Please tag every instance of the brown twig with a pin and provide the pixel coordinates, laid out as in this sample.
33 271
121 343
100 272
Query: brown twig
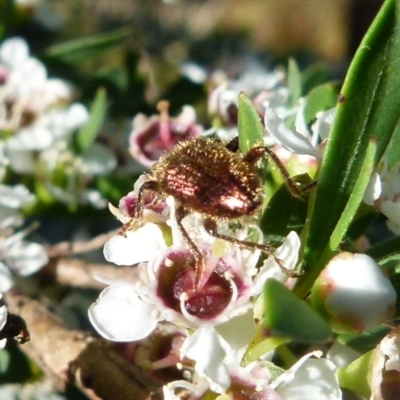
64 249
80 273
68 356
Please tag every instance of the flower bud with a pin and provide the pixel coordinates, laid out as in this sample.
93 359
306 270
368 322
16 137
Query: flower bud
353 293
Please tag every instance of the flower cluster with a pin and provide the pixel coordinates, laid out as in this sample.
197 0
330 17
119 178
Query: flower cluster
200 324
17 255
37 122
210 325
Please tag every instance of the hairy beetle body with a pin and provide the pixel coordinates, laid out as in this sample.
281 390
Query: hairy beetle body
204 176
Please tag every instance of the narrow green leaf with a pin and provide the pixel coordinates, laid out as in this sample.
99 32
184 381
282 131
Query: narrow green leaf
294 83
251 130
368 109
288 316
393 151
87 48
87 134
395 281
352 205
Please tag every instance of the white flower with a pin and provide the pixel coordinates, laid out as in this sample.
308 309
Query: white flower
311 379
169 273
48 129
383 193
287 253
217 362
292 140
211 354
194 72
17 255
152 136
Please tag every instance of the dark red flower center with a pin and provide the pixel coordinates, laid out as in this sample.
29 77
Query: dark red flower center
177 278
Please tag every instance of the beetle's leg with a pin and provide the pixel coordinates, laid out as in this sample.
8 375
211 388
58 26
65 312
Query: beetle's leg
211 227
180 213
295 187
136 221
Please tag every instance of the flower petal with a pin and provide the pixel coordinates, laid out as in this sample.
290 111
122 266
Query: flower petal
120 315
137 246
311 379
290 140
207 348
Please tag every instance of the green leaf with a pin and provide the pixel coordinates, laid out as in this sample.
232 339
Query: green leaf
114 187
355 375
7 15
251 130
395 281
352 205
288 316
313 76
386 252
261 347
365 341
294 83
87 134
88 48
368 110
321 98
283 213
4 361
393 151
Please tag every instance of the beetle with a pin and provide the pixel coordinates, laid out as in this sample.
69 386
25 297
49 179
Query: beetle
206 176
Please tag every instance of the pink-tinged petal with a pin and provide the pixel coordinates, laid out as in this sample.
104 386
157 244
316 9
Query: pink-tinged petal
290 140
119 314
136 246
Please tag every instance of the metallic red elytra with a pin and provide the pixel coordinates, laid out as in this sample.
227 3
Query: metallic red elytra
205 176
